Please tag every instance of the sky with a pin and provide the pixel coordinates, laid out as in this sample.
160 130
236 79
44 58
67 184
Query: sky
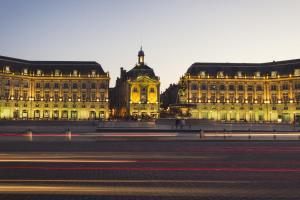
174 33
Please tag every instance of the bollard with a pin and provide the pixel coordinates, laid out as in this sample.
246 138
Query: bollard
29 135
68 135
274 137
249 137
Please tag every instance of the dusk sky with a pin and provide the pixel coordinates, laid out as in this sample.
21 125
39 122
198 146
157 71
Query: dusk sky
174 33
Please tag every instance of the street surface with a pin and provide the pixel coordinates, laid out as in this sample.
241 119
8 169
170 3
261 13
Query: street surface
60 170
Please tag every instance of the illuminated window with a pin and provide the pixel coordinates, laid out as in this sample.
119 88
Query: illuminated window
273 74
25 71
239 74
202 74
56 72
7 69
257 74
221 74
75 72
39 72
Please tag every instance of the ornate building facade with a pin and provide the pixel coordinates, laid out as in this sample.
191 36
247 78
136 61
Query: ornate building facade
251 92
136 93
53 90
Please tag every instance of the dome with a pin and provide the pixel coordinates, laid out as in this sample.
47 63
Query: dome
141 53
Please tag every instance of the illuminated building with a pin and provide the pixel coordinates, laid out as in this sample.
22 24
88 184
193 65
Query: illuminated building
250 92
67 90
136 93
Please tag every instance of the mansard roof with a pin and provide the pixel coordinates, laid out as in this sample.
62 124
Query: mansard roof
285 67
47 67
141 70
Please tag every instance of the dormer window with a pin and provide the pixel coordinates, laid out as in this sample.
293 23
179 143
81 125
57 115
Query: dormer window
7 69
202 74
75 72
257 74
297 72
56 72
93 73
39 72
239 74
221 74
273 74
25 71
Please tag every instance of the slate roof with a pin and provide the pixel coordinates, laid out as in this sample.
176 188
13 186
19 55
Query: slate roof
48 67
141 70
285 67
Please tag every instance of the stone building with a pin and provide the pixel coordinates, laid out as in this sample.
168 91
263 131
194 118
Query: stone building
66 90
249 92
136 93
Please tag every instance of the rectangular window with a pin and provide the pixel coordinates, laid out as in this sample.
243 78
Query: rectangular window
37 95
74 96
25 95
83 96
65 96
56 96
47 96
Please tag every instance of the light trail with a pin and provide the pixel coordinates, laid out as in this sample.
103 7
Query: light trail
206 169
119 181
67 161
203 191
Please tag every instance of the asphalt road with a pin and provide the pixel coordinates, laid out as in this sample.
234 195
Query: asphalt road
150 170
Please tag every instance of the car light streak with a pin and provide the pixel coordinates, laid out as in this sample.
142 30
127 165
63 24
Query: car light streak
67 161
281 170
